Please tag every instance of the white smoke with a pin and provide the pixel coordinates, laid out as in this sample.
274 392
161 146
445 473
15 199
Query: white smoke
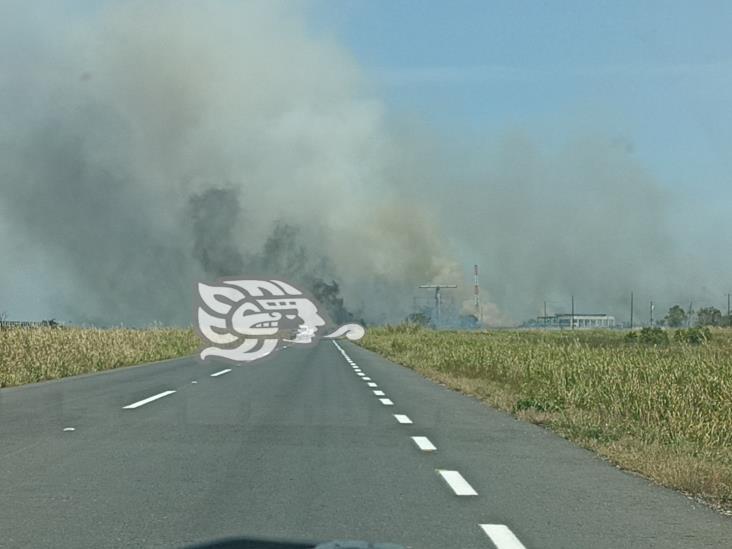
126 128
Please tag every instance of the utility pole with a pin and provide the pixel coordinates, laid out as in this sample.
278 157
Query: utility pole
729 318
651 313
545 314
688 316
631 310
438 299
573 312
476 292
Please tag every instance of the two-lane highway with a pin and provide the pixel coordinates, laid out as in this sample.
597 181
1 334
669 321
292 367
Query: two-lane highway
314 444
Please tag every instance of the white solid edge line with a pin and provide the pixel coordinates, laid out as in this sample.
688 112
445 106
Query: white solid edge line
502 537
386 401
458 484
371 384
147 400
379 393
424 444
401 418
222 372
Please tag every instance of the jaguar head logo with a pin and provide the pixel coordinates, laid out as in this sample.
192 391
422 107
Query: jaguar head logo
245 320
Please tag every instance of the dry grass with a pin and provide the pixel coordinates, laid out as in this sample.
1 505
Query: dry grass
28 355
663 411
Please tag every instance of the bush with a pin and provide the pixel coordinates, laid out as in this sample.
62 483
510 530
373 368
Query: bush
693 336
649 336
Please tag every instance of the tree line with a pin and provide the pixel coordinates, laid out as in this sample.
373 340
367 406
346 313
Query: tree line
706 316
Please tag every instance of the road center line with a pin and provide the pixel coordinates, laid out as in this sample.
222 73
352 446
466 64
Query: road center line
222 372
424 444
147 400
401 418
502 537
386 401
458 484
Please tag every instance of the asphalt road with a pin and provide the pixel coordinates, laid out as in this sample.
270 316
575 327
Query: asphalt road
300 450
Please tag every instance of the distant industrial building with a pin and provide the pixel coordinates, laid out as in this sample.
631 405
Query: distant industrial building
580 321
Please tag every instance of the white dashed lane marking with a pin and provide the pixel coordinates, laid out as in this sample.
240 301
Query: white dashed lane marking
499 534
502 537
147 400
424 444
458 484
222 372
68 429
401 418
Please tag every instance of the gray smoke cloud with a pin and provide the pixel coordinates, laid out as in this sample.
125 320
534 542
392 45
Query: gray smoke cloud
148 145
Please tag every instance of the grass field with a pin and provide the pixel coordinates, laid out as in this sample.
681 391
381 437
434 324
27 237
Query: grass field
664 411
28 355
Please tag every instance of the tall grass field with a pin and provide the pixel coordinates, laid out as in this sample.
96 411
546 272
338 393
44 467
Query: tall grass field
29 355
660 408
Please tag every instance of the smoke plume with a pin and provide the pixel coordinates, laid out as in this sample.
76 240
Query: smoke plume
149 145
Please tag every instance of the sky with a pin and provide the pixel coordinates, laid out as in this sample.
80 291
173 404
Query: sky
567 147
656 73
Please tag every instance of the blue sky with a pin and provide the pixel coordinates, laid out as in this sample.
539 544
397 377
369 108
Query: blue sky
655 74
654 77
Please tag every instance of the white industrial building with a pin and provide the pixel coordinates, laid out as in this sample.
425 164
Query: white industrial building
580 321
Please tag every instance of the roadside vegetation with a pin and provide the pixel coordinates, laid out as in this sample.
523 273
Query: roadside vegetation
28 355
658 402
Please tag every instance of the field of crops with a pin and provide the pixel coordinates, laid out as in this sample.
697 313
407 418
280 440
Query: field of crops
28 355
663 410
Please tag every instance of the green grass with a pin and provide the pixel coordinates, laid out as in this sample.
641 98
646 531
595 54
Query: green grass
664 411
29 355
